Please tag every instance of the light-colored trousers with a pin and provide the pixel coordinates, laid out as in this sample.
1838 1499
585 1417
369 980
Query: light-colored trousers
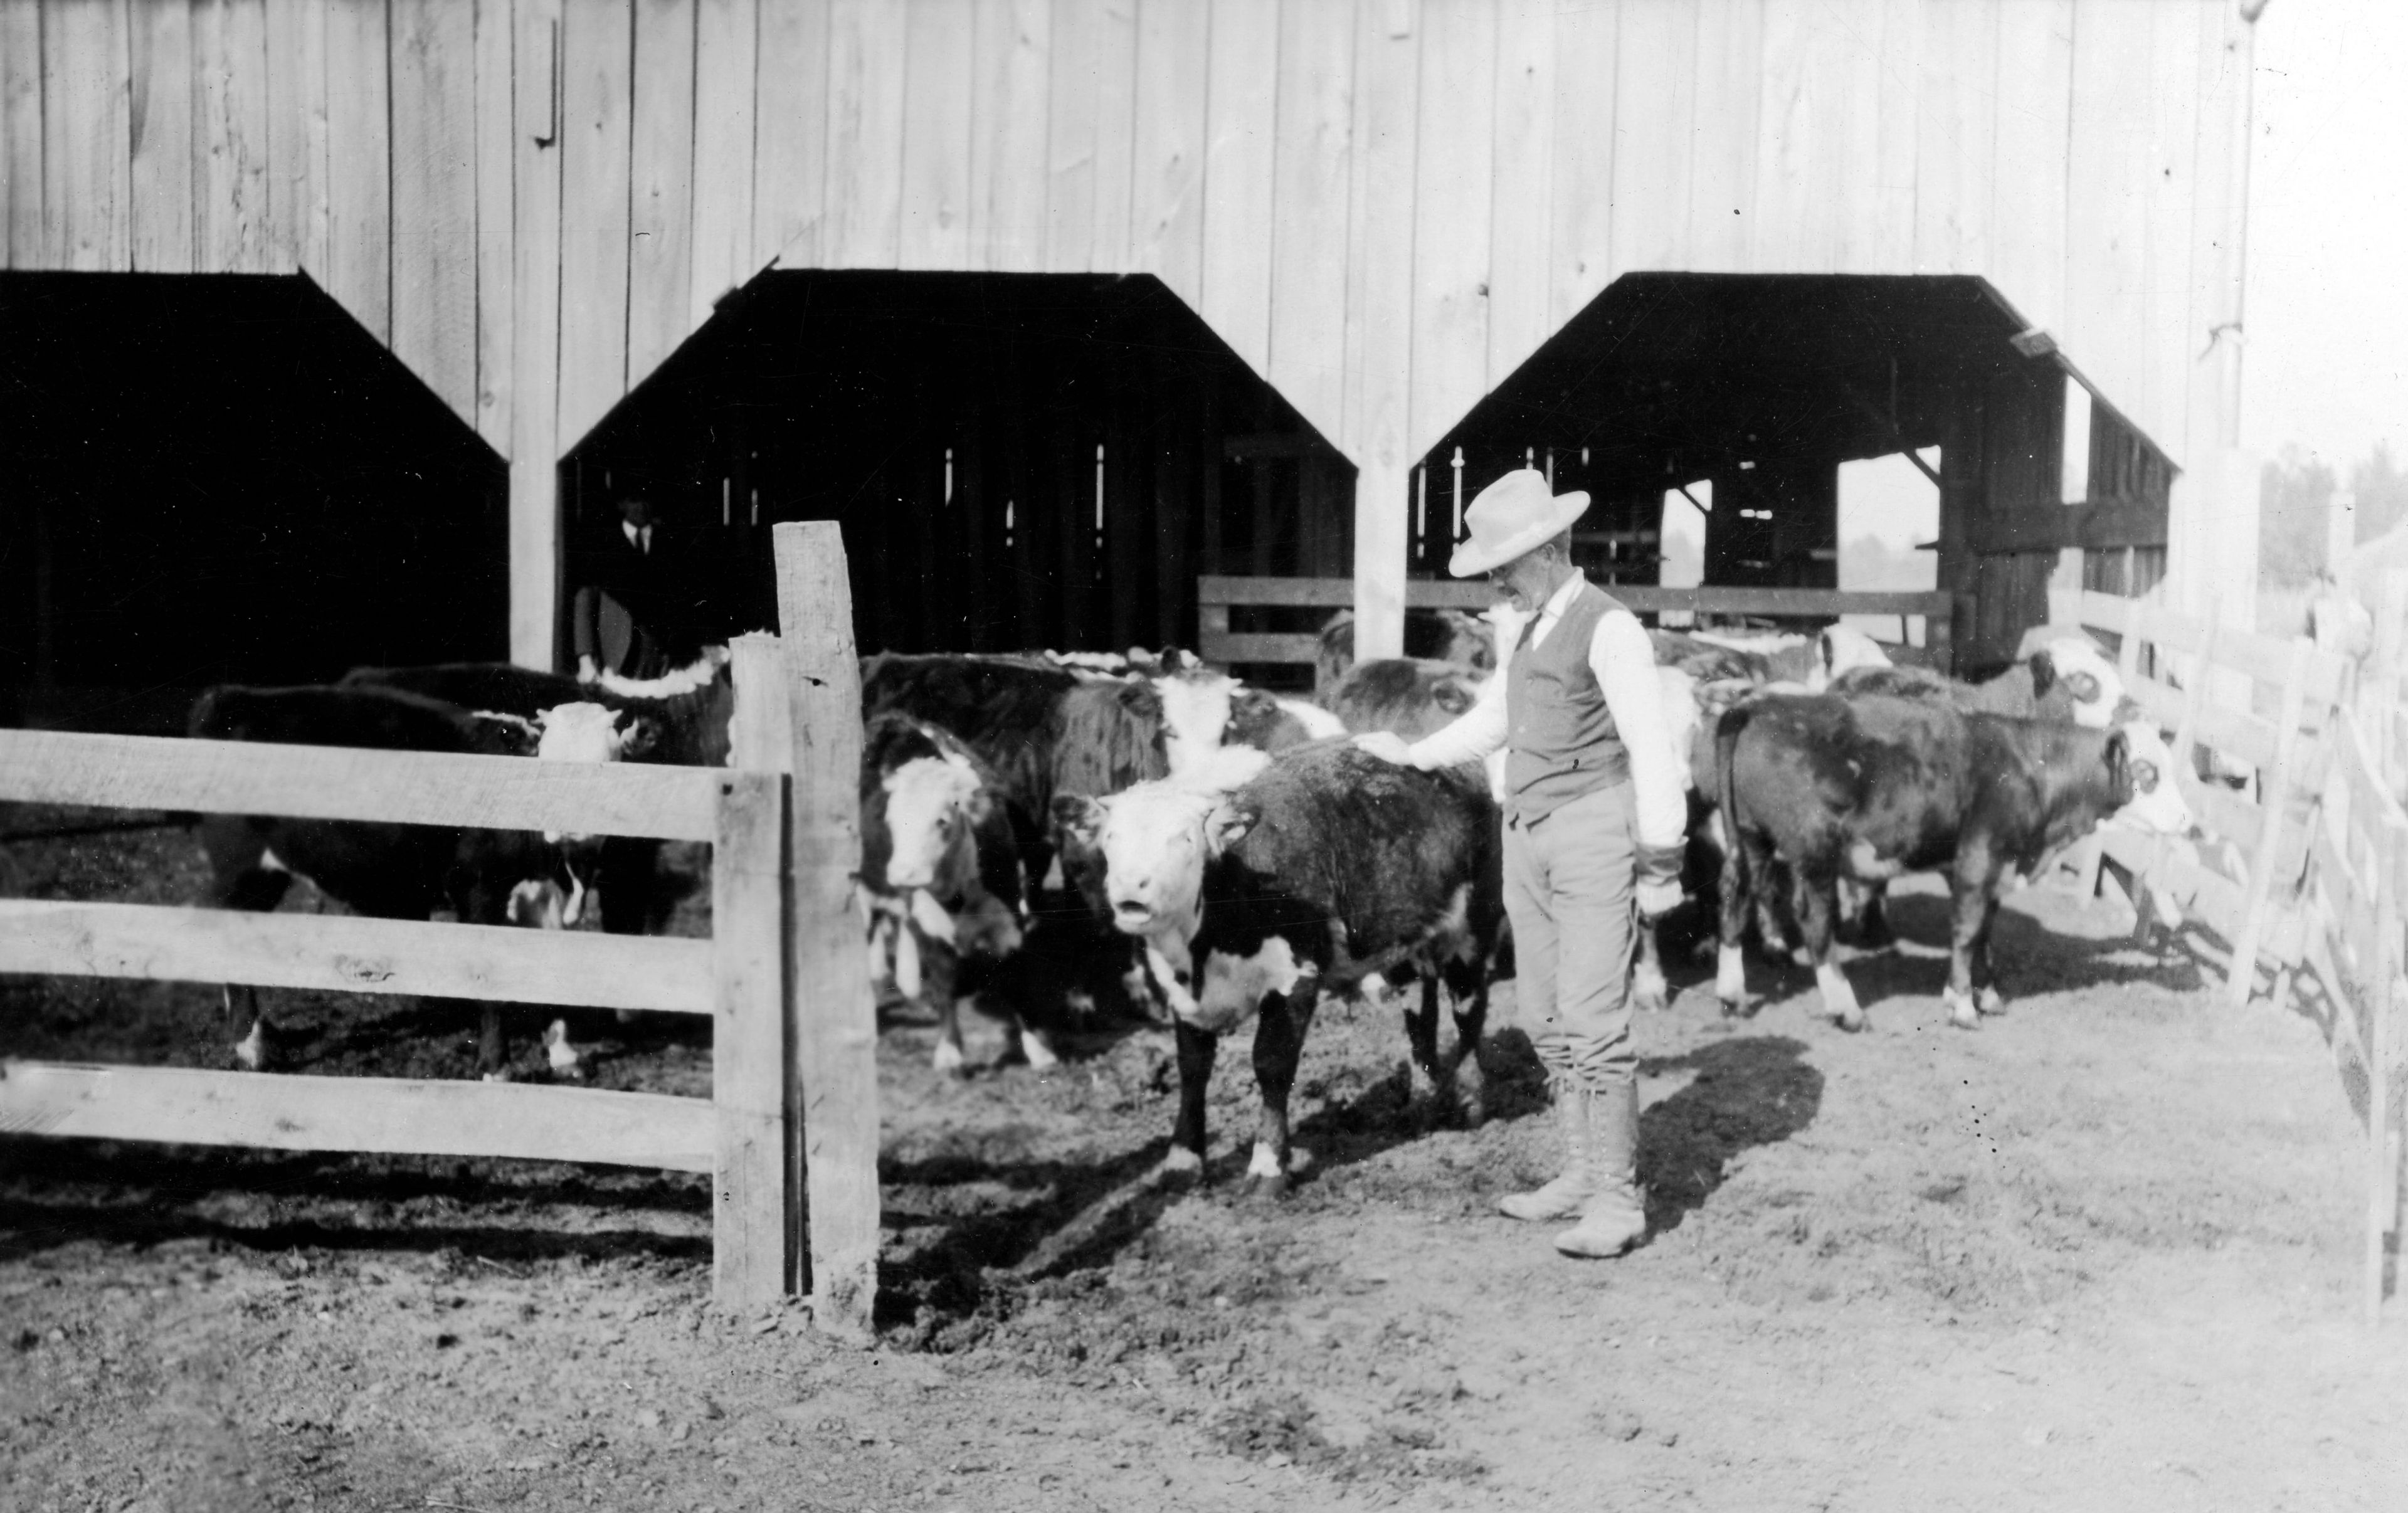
1570 890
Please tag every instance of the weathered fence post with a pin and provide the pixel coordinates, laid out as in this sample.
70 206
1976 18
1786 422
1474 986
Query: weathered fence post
833 1019
758 1227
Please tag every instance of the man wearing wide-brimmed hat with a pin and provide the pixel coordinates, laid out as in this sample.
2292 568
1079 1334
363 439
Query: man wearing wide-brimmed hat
1594 822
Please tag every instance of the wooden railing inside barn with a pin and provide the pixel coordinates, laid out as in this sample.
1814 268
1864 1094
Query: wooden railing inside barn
2302 870
1216 596
783 855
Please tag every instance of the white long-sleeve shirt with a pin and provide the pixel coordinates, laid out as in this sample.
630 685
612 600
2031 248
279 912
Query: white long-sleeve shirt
1623 661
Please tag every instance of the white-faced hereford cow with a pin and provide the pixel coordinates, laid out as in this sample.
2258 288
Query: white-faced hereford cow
941 875
394 871
678 720
1872 787
1253 899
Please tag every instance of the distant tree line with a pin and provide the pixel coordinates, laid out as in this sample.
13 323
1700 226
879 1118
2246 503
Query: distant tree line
2296 499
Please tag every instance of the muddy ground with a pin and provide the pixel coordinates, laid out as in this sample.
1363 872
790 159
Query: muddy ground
2101 1254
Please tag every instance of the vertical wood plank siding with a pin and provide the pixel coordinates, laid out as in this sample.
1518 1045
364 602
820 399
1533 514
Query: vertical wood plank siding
434 197
597 70
1312 152
936 230
359 163
21 136
86 138
659 204
496 149
1166 174
726 56
230 217
160 126
1384 206
790 132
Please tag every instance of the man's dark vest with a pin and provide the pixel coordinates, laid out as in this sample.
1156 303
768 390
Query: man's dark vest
1561 736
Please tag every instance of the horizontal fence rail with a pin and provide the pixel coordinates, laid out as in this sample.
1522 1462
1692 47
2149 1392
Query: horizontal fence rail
326 782
346 953
381 1116
786 844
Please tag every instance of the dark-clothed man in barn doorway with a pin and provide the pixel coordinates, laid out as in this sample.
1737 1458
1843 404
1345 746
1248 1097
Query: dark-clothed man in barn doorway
1594 818
630 616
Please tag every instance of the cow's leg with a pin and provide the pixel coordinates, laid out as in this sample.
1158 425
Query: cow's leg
1973 887
940 966
1987 998
1195 1051
1872 929
1814 898
1744 875
239 881
1279 1045
1421 1033
1468 982
1648 991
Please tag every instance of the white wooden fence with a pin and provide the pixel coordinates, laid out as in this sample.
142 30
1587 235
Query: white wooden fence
790 1132
2311 884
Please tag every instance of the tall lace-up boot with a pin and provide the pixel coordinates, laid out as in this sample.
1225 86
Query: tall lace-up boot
1567 1195
1615 1217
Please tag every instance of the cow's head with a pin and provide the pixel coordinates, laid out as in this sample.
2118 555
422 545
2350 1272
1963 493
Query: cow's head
584 733
933 806
1153 841
1196 707
2077 672
2157 804
1842 649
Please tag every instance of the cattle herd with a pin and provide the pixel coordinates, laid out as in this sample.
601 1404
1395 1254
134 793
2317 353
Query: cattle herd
1057 837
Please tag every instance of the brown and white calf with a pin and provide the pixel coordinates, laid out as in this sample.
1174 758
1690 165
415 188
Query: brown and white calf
941 877
1256 891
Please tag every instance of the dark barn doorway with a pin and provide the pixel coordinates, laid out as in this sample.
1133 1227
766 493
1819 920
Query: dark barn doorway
210 479
1760 386
1019 460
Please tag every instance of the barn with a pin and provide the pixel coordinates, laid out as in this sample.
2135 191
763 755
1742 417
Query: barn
1066 306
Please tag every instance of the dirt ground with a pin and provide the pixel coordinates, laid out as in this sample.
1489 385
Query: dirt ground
2101 1254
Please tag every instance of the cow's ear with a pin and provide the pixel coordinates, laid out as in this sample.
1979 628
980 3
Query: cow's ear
2043 671
1453 696
1228 824
1079 816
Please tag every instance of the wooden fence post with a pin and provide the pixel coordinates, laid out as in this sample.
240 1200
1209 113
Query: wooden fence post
757 1218
833 1016
759 1234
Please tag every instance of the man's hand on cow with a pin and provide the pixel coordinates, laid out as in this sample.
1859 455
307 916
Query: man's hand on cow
1657 899
1387 745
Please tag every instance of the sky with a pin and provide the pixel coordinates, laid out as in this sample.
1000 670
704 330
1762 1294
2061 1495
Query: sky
2326 307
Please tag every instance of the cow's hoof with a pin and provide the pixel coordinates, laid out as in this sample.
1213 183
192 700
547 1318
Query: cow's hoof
250 1052
499 1075
1962 1010
1733 1009
1989 1001
1181 1166
1648 993
949 1060
1839 998
1040 1056
563 1058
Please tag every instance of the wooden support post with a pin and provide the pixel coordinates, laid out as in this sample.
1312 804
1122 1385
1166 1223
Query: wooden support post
756 1224
2384 997
1383 520
2274 795
834 1019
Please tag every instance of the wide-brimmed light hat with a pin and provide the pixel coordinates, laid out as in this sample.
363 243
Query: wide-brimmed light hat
1515 514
